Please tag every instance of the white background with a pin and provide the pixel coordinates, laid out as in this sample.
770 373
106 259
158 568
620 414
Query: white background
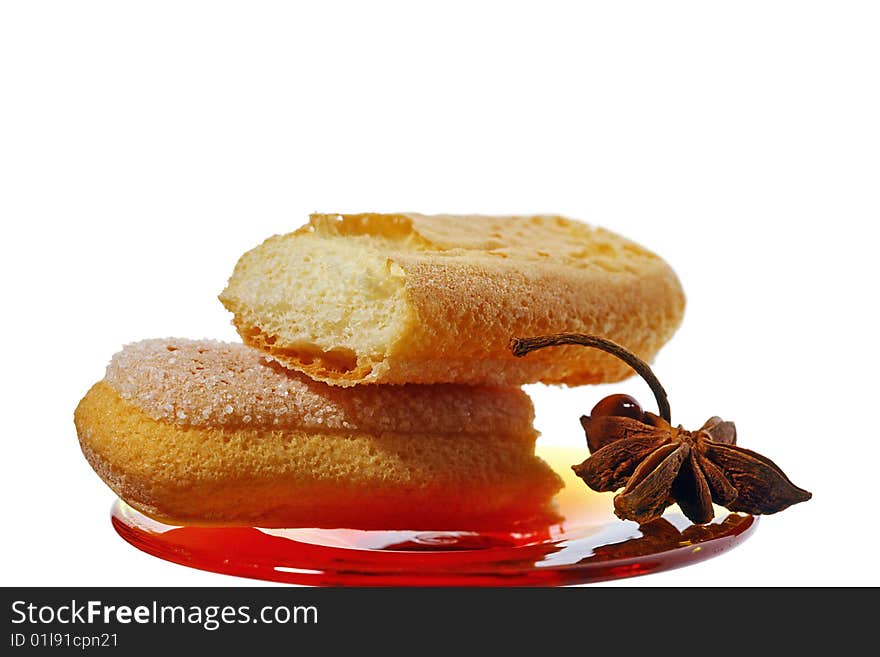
144 147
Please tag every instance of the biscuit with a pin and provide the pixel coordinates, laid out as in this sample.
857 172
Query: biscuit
407 298
202 432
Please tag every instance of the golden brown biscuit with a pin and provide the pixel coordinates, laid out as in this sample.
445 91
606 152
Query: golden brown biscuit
198 432
406 298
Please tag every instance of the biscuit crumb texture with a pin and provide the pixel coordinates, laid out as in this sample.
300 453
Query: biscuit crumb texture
201 432
408 298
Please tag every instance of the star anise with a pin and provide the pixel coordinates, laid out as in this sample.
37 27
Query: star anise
657 464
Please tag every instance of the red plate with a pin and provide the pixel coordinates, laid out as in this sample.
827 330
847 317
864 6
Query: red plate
589 544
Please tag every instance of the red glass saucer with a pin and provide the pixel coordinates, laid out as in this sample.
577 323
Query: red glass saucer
588 544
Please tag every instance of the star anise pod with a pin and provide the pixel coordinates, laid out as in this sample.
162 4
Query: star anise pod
657 464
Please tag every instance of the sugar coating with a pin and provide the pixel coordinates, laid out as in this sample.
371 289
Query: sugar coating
205 383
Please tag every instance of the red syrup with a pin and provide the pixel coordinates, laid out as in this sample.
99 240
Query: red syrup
588 544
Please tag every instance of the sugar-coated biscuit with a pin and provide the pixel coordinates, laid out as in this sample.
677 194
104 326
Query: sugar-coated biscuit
202 432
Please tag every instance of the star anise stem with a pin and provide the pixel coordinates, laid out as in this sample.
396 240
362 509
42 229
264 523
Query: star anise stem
523 346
